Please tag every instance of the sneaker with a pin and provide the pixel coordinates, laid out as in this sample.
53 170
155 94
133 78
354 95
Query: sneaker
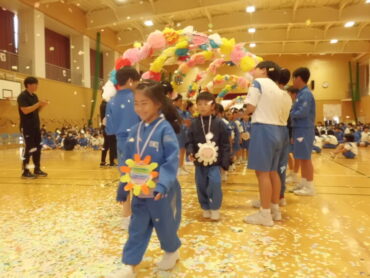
103 164
298 186
307 190
260 218
215 215
282 202
276 214
112 164
255 203
40 173
126 271
28 175
206 213
168 260
126 222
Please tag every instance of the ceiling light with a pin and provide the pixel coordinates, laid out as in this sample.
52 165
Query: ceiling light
367 2
251 45
349 24
251 30
250 9
148 23
333 41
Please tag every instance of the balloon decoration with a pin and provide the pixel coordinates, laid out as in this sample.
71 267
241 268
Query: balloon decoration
230 83
188 48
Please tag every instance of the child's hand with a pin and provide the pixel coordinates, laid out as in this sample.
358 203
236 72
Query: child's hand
191 158
158 197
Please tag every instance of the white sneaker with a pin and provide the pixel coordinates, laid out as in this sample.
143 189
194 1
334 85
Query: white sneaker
282 202
298 186
215 215
276 214
126 222
307 190
255 204
126 271
260 218
168 260
206 213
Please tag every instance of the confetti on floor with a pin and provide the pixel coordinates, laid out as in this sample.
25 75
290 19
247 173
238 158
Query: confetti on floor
68 225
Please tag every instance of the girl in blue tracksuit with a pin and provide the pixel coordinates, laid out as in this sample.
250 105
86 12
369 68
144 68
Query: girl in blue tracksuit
160 209
181 136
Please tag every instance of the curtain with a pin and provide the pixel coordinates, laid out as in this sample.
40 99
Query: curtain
7 41
57 49
93 62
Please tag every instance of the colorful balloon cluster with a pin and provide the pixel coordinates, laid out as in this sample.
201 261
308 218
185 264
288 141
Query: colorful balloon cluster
187 47
232 82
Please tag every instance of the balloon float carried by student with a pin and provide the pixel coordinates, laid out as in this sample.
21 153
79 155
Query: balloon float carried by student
188 48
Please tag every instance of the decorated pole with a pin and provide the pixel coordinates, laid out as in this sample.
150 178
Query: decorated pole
96 78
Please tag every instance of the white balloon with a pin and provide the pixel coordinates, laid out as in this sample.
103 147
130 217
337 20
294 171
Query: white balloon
109 90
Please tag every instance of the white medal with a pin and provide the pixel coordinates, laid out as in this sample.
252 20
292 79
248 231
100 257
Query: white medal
207 153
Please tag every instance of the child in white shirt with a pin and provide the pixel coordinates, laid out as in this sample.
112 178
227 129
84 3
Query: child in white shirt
348 148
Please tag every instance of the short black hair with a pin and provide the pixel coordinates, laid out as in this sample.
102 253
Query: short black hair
167 87
349 137
206 96
330 132
178 97
272 69
303 73
323 132
219 108
292 90
30 80
126 73
284 77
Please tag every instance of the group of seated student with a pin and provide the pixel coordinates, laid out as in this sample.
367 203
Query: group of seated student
69 138
342 138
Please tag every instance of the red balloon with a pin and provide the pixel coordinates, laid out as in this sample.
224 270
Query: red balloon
120 63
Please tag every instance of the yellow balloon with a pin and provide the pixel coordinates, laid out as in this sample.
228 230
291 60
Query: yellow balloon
182 44
169 52
137 45
158 63
227 46
208 55
247 63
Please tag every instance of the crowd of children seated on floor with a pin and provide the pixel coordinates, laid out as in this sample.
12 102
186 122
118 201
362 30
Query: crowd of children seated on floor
69 138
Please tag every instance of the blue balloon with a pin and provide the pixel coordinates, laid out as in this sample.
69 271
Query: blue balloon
112 77
213 44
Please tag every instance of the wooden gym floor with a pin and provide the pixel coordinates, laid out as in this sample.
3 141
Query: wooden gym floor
68 225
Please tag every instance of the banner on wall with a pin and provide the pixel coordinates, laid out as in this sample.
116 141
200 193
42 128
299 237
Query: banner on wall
332 111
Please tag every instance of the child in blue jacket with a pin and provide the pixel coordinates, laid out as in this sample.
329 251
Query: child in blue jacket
157 196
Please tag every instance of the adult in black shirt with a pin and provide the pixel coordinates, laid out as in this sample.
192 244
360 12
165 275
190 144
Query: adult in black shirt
110 141
29 107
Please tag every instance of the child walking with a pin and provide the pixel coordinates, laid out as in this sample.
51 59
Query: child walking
209 148
152 145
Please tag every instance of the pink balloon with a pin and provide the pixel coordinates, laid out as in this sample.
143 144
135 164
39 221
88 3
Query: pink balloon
156 40
133 55
144 51
199 39
238 53
146 75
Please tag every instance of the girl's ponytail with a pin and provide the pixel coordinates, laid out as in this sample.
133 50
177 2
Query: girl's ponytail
156 93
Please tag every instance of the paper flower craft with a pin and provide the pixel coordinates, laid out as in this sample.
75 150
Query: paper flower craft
139 175
207 153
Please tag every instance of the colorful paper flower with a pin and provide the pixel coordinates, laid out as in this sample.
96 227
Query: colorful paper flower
139 175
